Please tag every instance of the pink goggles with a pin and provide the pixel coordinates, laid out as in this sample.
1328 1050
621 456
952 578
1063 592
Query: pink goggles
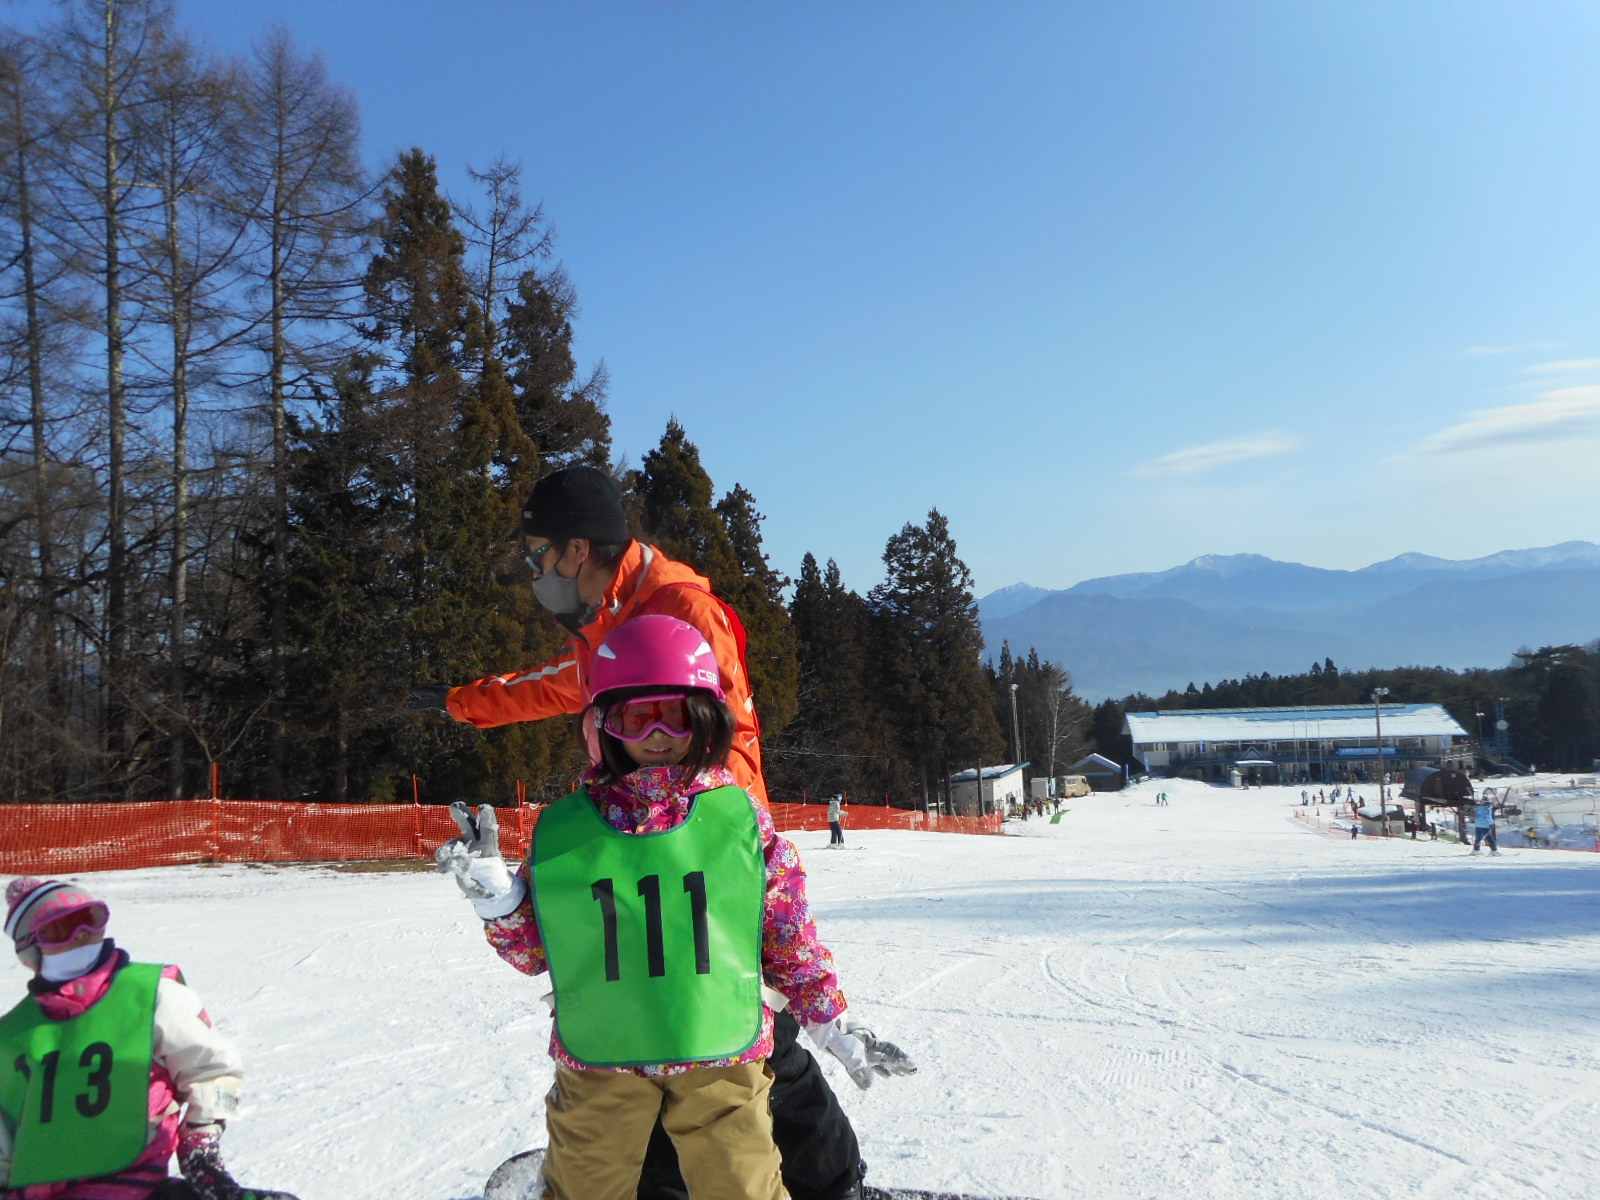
53 935
636 719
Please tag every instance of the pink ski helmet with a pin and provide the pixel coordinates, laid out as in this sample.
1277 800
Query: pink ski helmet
655 651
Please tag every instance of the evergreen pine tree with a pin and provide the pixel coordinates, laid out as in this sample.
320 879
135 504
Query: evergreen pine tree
343 604
676 511
1568 709
415 437
795 760
840 739
563 415
673 493
756 594
1106 732
1052 720
941 708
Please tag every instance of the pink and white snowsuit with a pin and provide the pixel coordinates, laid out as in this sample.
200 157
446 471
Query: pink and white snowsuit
195 1072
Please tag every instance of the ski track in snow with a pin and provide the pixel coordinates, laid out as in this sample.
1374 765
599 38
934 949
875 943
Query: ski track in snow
1203 1000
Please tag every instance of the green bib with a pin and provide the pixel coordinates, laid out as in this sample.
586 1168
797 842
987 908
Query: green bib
76 1093
654 940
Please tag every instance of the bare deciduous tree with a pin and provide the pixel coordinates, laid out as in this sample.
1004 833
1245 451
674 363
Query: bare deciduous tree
302 189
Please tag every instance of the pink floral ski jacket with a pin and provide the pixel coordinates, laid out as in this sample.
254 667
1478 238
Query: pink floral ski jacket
793 961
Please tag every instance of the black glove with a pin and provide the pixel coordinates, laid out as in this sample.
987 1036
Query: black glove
200 1160
430 697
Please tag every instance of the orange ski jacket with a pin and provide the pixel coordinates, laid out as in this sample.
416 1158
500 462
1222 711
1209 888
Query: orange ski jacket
647 581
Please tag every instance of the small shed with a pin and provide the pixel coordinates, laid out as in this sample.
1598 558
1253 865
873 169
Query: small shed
1103 774
1000 788
1387 820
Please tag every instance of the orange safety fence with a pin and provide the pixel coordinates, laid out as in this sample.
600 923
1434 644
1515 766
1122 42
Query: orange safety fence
790 817
1339 826
54 839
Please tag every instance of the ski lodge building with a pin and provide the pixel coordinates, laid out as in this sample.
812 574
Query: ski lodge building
1336 744
999 789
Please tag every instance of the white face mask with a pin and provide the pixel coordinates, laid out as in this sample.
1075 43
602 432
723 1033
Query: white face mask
69 964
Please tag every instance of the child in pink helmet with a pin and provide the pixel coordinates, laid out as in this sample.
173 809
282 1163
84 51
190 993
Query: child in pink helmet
659 896
111 1066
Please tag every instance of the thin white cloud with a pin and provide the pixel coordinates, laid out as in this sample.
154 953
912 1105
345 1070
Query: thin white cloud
1213 455
1512 349
1570 366
1557 416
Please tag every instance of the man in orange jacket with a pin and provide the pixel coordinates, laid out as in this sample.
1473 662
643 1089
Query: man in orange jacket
592 575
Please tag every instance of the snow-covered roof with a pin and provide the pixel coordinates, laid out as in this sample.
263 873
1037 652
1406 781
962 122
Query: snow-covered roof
1094 763
998 771
1332 723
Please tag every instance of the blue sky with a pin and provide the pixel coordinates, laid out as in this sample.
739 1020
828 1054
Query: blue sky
1111 285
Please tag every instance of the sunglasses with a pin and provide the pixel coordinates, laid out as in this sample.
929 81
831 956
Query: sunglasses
635 720
53 935
534 558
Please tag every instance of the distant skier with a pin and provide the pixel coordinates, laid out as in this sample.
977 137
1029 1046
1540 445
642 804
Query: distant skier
836 820
658 1015
1483 829
112 1066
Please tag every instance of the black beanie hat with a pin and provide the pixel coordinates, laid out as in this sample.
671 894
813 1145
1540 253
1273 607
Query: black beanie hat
576 502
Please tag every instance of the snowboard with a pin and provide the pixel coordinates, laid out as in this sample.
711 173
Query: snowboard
520 1177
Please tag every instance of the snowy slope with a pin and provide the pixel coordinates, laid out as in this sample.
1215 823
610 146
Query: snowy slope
1201 1000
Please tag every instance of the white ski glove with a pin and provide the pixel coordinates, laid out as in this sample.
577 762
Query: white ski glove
846 1047
886 1058
474 861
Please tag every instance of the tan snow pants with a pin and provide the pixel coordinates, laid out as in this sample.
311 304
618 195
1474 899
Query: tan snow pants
599 1125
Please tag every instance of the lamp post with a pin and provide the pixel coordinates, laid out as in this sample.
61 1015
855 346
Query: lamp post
1383 776
1016 738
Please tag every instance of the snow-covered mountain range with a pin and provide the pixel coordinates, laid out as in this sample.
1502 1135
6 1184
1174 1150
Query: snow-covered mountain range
1224 616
